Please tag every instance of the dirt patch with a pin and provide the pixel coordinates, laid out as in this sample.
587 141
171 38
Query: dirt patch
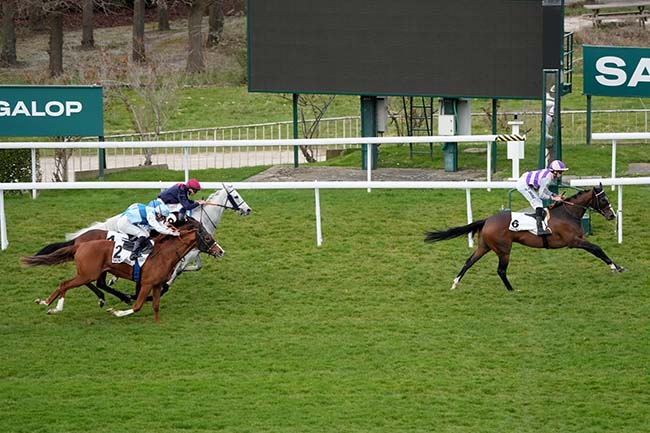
285 173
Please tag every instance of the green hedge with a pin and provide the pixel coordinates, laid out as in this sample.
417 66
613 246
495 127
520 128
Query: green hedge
15 166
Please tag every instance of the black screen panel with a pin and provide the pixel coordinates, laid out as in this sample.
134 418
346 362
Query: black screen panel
473 48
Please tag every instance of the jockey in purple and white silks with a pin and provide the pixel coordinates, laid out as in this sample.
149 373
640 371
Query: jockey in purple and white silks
533 185
139 219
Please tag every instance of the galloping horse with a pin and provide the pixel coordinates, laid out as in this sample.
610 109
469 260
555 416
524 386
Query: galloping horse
94 258
564 223
209 215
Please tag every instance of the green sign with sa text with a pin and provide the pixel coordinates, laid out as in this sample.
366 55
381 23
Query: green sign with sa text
36 111
616 71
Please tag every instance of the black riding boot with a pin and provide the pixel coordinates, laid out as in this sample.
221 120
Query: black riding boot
140 244
539 216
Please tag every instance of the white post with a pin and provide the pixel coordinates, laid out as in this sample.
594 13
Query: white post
515 148
619 216
319 233
4 243
489 162
186 165
368 163
613 163
34 192
468 197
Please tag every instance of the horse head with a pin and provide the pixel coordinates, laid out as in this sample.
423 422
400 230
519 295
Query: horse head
600 203
235 201
201 237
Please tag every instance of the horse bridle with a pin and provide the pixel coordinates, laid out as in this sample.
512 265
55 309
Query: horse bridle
230 199
201 243
594 199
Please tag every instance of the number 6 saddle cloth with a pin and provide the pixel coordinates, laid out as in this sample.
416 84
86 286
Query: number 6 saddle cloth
521 221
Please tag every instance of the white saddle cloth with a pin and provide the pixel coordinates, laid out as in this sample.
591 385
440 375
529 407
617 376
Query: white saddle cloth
120 254
520 221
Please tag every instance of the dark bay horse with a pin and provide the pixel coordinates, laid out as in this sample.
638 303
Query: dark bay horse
564 222
94 258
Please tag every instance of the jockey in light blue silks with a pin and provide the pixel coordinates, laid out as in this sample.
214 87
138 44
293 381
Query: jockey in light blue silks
533 185
138 220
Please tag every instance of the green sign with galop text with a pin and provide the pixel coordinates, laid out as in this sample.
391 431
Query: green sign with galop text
37 111
616 71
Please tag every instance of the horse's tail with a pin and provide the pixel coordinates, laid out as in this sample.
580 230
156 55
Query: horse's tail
454 232
62 255
109 224
48 249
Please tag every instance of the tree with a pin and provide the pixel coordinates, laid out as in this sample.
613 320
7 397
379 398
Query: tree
163 15
215 23
195 59
138 32
149 97
8 54
316 106
87 25
55 19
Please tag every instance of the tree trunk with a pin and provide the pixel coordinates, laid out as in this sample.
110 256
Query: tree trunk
37 18
8 54
215 23
163 15
195 61
56 43
87 26
138 32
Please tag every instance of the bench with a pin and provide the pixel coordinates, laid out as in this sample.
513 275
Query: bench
619 10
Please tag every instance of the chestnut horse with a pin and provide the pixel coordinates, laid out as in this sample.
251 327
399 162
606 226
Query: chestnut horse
565 224
209 215
94 258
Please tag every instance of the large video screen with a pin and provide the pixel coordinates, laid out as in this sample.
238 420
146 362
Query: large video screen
456 48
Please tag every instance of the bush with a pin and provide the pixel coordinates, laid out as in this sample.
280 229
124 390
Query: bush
16 166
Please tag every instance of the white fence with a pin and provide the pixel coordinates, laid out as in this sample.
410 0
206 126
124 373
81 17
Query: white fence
80 160
316 186
34 185
613 181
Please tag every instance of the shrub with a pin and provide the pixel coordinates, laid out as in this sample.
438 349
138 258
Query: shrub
16 166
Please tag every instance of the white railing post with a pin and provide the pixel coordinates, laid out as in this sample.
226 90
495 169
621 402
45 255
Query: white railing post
619 214
470 217
34 192
186 165
489 162
613 163
4 243
319 233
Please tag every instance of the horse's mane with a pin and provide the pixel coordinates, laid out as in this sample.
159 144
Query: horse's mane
578 194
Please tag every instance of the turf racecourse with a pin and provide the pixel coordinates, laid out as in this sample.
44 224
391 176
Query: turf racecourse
360 335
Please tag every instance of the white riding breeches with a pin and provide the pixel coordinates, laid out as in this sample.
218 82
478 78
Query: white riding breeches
529 194
125 226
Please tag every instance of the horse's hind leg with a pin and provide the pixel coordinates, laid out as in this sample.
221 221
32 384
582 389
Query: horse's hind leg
502 269
476 255
101 300
101 282
60 293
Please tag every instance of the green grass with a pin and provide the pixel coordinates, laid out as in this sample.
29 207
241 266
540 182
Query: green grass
360 335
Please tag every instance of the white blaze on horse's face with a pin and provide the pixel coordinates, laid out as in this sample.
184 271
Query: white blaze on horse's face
236 202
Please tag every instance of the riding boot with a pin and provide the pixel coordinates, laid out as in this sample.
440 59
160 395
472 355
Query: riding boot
138 245
539 216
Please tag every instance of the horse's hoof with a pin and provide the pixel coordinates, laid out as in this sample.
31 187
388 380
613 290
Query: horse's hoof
101 303
110 310
37 301
621 269
51 311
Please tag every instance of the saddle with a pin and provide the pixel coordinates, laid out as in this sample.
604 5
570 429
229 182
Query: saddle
522 221
124 246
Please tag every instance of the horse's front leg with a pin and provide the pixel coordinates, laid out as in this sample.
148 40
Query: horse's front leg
598 252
